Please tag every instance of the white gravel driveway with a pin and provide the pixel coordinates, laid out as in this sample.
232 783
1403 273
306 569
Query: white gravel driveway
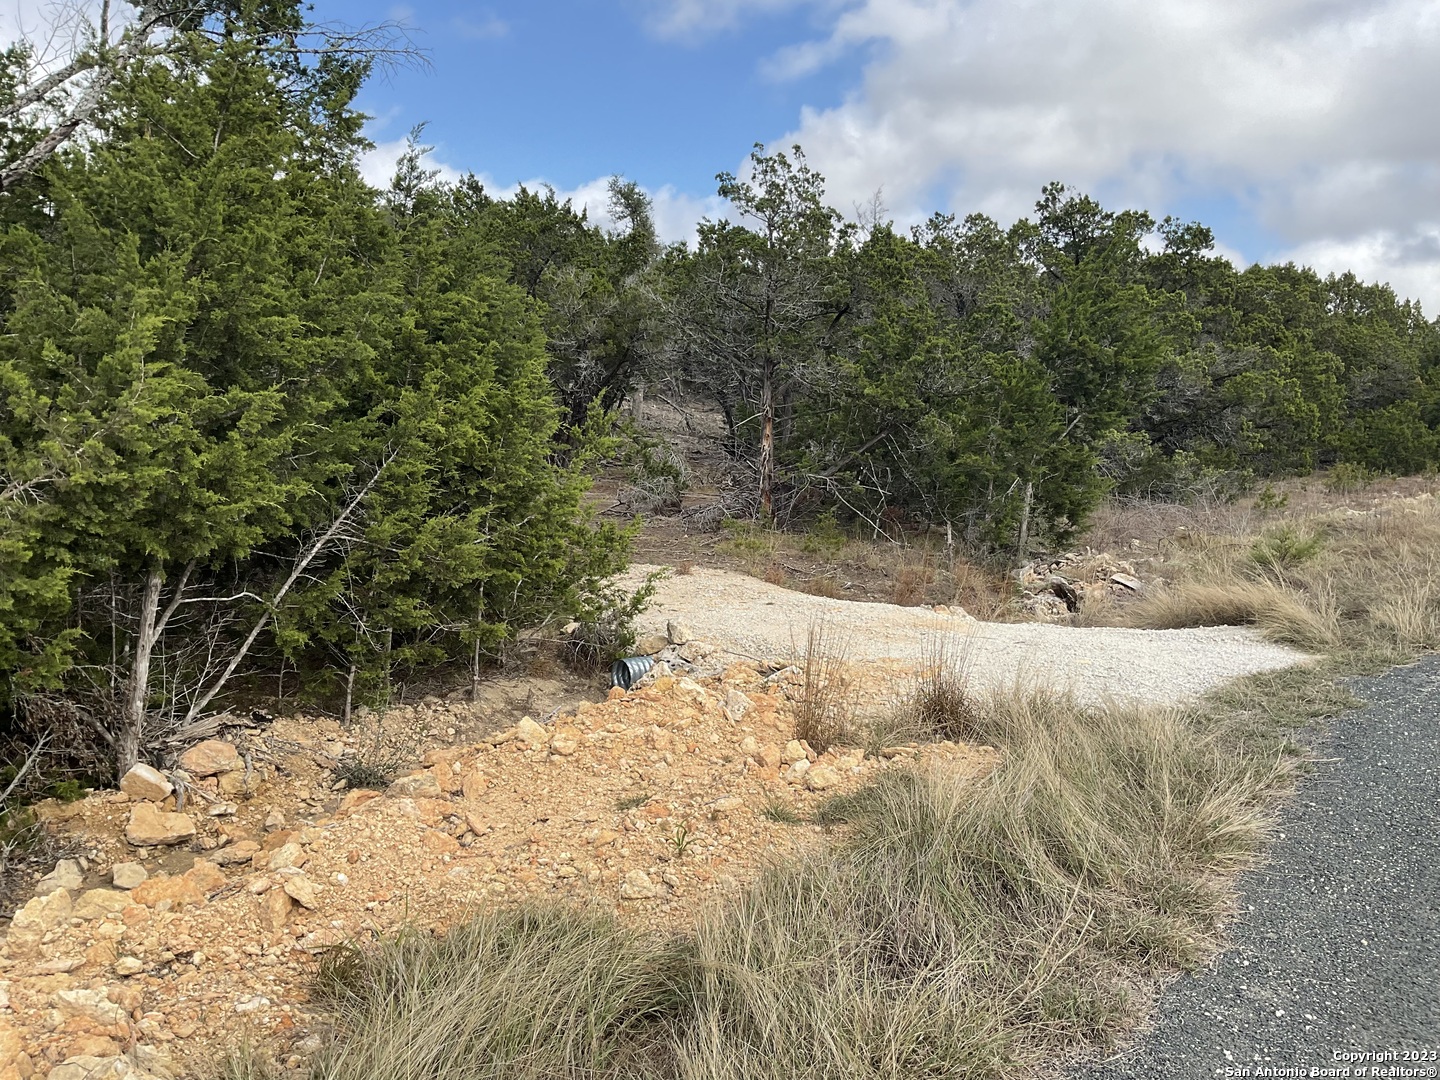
750 618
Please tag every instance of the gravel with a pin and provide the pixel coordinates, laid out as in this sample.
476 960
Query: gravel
750 618
1337 948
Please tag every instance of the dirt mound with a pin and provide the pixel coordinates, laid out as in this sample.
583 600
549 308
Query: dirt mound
655 801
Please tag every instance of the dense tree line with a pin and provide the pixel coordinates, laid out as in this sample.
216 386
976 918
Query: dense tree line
256 416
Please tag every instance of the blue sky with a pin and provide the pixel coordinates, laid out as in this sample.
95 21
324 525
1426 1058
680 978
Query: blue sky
1297 129
570 90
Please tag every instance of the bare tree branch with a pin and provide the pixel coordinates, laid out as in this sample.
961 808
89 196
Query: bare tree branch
305 559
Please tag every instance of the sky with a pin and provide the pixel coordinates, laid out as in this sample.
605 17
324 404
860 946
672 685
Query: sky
1305 130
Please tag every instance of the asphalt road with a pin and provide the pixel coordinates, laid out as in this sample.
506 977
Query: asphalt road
1337 948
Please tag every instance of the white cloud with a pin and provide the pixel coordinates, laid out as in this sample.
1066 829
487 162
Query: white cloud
484 26
1408 262
675 213
692 19
377 166
1317 115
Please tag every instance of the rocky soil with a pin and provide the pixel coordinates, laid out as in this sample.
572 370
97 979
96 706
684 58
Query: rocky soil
201 896
205 894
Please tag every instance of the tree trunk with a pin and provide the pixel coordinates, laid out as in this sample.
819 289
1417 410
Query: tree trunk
767 437
137 688
349 696
1024 543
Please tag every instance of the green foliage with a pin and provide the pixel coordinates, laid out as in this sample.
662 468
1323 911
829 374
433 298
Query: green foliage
1269 499
314 425
1348 477
1286 548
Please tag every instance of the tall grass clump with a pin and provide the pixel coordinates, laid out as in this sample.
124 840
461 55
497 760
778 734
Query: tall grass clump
963 929
824 711
1283 614
540 991
942 704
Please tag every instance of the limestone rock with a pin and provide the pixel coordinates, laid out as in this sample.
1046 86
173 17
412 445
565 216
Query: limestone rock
650 644
275 820
61 965
151 827
237 853
821 777
211 757
1125 581
474 785
750 747
127 875
234 783
527 730
90 1067
275 910
37 918
97 903
770 756
66 875
796 773
286 856
143 782
163 888
726 807
222 809
636 885
206 876
421 785
302 890
736 705
793 752
93 1005
678 632
565 742
129 965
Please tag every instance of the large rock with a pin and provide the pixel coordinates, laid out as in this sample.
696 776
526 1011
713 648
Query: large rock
147 784
636 885
421 785
66 875
821 777
93 1005
275 908
97 903
678 632
211 757
242 851
302 890
650 644
150 827
36 919
527 730
127 875
566 741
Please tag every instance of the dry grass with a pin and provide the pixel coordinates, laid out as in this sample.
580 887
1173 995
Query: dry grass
942 705
950 929
1338 580
1284 615
824 710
